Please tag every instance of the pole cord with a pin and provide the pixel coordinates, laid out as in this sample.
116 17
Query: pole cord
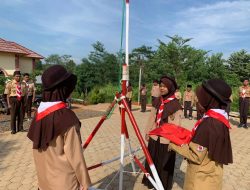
121 45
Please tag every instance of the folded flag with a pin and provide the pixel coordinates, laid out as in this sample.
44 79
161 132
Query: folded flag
174 133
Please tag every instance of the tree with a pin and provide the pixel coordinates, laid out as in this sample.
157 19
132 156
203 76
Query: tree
86 78
53 59
140 57
98 69
239 63
216 66
172 56
64 60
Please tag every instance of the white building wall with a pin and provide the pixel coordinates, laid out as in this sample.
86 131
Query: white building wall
7 62
25 65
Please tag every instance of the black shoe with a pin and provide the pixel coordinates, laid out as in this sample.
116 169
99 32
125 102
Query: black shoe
245 126
13 132
240 125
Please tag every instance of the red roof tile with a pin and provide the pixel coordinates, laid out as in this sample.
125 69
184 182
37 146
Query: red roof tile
12 47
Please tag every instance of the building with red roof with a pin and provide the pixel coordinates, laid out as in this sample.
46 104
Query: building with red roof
14 56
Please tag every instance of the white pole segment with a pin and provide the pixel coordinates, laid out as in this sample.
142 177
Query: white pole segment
156 177
152 182
122 161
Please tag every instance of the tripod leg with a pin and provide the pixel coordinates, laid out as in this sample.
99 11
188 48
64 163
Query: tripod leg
130 149
146 173
104 117
144 148
123 123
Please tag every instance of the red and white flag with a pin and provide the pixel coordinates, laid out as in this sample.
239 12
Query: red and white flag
180 135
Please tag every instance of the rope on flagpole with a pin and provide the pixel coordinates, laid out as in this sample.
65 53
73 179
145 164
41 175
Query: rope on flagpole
121 45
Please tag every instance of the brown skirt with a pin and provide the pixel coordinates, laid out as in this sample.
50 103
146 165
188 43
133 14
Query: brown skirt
164 161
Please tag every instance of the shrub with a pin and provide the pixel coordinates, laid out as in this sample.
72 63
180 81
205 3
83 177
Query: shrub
2 83
95 96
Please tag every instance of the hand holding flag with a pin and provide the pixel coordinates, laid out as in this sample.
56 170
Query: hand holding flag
174 133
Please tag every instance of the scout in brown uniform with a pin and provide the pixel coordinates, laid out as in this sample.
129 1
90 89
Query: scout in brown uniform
30 96
210 145
16 91
155 91
166 110
244 93
129 95
55 132
143 93
188 101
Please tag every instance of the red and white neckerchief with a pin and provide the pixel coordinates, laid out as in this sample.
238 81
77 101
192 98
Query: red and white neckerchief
159 115
45 108
18 91
218 114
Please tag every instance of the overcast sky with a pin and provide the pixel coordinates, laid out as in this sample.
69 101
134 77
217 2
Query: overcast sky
71 26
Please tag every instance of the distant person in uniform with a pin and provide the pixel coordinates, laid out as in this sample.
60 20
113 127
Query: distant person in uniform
143 95
129 95
55 133
244 93
30 95
16 91
155 91
188 101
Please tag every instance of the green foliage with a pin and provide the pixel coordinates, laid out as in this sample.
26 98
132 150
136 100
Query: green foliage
3 80
235 97
55 59
98 69
98 73
96 96
239 63
102 94
2 83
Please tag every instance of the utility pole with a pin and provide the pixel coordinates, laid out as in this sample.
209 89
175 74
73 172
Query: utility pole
140 61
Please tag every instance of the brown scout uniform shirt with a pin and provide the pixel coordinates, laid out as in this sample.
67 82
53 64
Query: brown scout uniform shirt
11 88
62 165
202 172
151 124
244 91
188 96
143 91
30 88
129 95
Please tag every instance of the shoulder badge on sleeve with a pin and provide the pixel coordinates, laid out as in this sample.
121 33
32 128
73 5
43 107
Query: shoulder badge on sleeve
200 148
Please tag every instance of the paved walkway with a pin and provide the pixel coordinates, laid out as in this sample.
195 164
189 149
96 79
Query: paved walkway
17 168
